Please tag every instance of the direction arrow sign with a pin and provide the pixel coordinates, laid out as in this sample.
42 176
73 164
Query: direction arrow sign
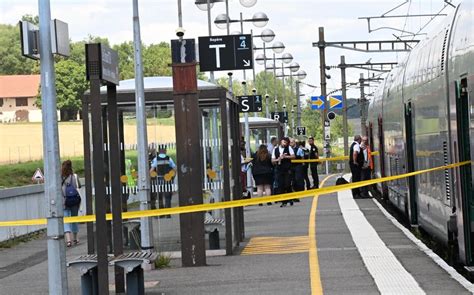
38 176
335 102
223 53
317 102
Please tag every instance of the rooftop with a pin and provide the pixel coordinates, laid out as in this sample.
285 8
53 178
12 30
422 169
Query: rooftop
19 86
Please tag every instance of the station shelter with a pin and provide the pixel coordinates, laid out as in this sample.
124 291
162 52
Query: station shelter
219 151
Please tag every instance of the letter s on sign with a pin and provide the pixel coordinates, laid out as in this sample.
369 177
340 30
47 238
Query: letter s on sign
245 105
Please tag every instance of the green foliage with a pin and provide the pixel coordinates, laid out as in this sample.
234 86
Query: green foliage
163 261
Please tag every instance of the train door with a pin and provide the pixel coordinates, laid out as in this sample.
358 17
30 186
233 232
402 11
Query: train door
464 150
410 148
381 150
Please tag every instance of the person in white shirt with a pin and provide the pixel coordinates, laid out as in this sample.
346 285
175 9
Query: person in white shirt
273 143
281 158
356 161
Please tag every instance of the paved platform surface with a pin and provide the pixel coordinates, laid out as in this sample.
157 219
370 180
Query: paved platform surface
358 250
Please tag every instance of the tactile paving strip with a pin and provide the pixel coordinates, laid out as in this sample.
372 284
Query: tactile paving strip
388 273
276 245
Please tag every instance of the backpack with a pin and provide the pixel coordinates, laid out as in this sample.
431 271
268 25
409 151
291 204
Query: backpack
71 195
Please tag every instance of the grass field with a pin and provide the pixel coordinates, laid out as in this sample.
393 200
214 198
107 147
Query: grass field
24 142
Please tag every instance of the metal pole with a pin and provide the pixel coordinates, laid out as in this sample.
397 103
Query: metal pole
292 105
344 105
143 174
246 117
285 132
363 115
57 273
267 97
298 104
180 14
322 65
275 81
227 13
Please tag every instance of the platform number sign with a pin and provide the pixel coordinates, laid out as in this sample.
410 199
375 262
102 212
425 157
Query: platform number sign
301 131
282 117
250 103
224 53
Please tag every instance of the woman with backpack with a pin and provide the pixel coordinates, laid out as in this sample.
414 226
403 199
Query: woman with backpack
72 201
263 171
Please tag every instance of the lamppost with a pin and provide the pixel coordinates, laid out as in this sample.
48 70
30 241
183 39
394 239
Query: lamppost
259 20
261 59
300 75
293 67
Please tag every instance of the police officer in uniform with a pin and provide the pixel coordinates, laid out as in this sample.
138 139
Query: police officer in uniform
313 154
356 161
163 165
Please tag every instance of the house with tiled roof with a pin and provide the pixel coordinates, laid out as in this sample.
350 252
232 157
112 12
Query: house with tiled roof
18 94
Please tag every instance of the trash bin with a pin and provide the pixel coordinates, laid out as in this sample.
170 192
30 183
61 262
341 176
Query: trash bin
214 240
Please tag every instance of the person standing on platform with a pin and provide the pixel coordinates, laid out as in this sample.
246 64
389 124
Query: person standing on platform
305 150
262 171
72 200
273 143
297 168
281 158
165 169
356 161
367 167
313 155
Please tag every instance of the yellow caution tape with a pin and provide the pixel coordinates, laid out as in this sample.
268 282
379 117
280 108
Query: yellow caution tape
340 158
234 203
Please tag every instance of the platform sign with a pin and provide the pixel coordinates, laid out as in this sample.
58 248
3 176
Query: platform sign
225 53
183 51
317 102
110 70
250 103
30 39
301 131
102 61
335 102
282 117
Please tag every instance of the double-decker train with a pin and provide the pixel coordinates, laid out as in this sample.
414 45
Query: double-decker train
422 117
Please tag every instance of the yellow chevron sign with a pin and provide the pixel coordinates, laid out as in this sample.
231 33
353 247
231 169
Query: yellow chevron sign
335 102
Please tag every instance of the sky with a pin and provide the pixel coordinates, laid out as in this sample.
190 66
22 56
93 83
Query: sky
295 23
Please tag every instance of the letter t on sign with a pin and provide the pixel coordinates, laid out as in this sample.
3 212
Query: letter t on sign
218 53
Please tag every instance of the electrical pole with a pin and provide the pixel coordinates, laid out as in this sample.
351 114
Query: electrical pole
344 105
143 169
57 273
362 103
322 65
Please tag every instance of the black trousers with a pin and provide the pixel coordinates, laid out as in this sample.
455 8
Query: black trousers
356 177
306 176
314 174
283 182
365 175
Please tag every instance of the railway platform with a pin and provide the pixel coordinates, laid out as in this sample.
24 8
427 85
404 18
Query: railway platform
332 245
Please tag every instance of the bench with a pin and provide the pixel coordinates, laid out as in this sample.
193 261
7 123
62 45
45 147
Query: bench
130 262
87 266
132 265
211 227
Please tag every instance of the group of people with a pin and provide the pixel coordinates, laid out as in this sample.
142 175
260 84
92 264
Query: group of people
361 164
273 170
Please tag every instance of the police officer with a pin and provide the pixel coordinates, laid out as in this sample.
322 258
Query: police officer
313 154
302 146
356 161
163 165
297 168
